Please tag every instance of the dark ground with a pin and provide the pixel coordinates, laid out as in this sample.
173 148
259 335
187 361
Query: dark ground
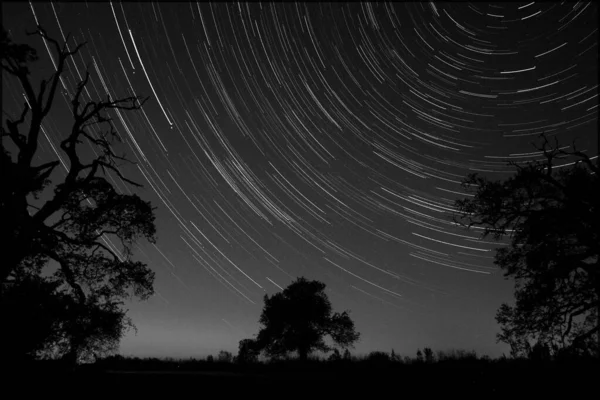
533 380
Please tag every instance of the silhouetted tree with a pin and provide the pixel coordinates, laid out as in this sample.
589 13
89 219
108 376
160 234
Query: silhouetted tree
43 321
347 356
75 227
91 330
419 355
335 356
540 352
429 357
378 358
248 352
552 216
299 319
225 356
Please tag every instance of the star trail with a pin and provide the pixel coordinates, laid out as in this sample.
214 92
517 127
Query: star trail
326 140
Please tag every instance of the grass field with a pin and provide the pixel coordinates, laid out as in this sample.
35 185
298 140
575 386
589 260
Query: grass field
317 380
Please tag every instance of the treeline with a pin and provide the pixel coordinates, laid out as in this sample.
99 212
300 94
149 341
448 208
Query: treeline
227 362
446 373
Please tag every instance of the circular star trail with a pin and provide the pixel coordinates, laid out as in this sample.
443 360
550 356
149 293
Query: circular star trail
324 140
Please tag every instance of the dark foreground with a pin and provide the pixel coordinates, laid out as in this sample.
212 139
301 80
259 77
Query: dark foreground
538 380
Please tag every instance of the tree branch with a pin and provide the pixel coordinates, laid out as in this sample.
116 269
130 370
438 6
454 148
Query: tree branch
48 167
98 244
91 243
13 129
116 170
579 339
69 275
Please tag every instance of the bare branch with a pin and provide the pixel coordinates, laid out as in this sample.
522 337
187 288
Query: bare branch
47 168
63 54
69 275
119 104
89 243
75 101
581 338
51 164
116 170
13 129
100 245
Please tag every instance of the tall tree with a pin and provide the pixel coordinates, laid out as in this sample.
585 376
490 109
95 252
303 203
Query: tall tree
73 222
299 318
551 214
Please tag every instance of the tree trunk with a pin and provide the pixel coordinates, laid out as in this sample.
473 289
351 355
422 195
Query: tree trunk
303 354
597 287
70 358
598 321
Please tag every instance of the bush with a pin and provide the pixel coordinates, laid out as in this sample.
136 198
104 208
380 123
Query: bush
249 351
457 355
429 357
225 357
378 357
347 356
335 356
419 356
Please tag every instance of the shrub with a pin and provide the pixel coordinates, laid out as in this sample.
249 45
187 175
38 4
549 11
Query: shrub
378 357
225 357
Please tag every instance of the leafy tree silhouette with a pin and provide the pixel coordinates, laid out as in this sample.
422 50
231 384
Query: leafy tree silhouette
378 358
419 355
335 356
248 351
540 352
299 318
552 217
70 226
225 357
429 357
347 356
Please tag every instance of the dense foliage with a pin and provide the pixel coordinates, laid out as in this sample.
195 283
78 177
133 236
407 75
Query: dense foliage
551 214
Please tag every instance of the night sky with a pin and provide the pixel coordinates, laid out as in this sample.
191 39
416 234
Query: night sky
325 141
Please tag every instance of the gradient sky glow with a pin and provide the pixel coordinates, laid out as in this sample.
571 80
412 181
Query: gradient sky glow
323 140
